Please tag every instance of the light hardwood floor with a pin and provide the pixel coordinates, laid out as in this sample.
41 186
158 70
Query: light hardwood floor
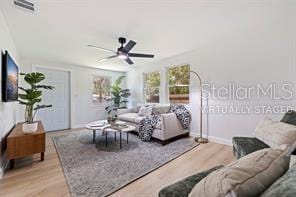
34 178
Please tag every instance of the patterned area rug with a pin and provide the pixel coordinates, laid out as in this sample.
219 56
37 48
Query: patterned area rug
95 170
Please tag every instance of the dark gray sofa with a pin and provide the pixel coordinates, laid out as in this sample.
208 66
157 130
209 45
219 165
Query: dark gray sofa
243 146
285 186
183 188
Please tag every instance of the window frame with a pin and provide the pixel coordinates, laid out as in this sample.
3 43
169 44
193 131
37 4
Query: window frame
92 86
168 83
156 87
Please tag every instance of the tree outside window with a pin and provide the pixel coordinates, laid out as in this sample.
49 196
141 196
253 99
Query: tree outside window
101 89
151 87
179 78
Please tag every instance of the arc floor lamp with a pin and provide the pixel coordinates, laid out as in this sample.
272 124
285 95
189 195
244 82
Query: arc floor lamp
200 139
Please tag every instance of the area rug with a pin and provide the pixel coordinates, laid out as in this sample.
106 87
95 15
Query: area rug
95 170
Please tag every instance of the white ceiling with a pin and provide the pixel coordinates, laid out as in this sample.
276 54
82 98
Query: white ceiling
59 30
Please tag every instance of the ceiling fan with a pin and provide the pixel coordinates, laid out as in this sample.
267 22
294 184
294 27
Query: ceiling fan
123 52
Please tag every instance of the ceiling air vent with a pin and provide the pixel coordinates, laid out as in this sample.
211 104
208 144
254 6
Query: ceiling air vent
24 4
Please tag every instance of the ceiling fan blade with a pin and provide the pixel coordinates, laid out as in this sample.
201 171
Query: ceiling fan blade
140 55
129 61
129 46
101 48
107 58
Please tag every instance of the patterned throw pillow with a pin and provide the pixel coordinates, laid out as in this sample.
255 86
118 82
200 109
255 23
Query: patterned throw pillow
182 114
145 111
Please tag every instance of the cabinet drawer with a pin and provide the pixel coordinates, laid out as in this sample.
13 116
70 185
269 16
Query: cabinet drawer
25 145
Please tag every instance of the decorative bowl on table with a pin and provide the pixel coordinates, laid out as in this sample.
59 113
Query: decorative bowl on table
112 120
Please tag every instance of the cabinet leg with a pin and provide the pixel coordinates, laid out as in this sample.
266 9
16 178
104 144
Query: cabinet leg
11 163
42 156
106 140
94 136
120 146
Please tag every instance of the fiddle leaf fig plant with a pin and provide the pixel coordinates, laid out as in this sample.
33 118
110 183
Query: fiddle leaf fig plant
119 96
30 97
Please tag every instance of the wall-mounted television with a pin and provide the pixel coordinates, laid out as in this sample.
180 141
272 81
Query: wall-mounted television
9 78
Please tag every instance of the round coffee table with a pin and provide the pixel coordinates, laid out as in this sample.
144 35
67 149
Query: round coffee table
105 127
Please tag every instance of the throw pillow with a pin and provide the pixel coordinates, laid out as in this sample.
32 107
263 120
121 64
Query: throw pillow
289 117
145 111
160 109
275 133
249 176
136 109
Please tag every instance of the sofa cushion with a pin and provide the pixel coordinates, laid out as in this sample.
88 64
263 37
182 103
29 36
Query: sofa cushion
284 186
289 117
183 188
145 111
275 133
130 117
249 176
243 146
160 109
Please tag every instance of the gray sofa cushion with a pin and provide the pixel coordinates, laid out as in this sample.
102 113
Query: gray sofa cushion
183 188
161 109
131 117
289 117
243 146
284 186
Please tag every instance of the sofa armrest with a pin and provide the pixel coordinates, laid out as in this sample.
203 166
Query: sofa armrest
171 126
124 111
243 146
168 120
183 188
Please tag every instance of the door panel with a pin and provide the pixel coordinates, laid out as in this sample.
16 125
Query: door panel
58 116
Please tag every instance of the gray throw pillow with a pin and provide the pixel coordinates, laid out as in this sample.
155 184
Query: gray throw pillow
160 109
145 111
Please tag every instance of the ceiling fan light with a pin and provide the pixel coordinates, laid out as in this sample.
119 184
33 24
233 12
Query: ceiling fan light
122 56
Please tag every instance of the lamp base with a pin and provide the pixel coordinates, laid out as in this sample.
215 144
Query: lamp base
201 140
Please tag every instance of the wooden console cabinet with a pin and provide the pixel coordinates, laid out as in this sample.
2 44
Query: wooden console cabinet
21 145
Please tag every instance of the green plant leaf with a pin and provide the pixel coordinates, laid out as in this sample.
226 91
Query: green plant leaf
42 106
119 80
22 102
47 87
34 78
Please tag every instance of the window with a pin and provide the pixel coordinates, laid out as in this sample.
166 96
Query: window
100 89
179 78
151 87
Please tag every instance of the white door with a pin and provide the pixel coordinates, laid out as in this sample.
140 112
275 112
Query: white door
58 116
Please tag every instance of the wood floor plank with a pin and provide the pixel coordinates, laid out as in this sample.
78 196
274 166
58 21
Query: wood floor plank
34 178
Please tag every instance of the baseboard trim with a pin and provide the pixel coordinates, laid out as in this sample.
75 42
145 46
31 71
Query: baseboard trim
78 126
215 139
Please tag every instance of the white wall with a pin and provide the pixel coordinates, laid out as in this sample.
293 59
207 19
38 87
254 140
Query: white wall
82 108
7 110
261 53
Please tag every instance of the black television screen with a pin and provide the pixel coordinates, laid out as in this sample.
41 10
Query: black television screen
9 78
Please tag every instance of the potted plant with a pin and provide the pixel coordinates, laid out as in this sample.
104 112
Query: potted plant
30 97
118 99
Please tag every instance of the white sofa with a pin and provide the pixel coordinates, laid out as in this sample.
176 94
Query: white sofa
168 128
